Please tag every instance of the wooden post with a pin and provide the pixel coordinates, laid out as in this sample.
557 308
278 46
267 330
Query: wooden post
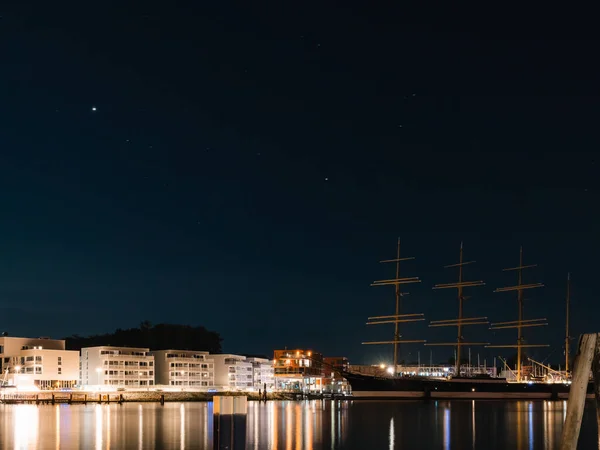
240 415
586 351
596 375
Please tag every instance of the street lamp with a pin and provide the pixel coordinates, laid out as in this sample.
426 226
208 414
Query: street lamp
98 370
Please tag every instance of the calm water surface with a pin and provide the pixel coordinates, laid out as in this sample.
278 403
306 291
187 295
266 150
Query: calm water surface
314 425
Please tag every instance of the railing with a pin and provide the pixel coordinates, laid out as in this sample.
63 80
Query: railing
129 377
186 378
187 358
190 365
137 357
297 371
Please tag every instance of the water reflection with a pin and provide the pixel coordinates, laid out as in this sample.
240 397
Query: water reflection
140 428
473 424
303 425
57 431
26 426
98 413
530 423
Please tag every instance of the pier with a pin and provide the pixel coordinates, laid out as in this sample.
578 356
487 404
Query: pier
78 397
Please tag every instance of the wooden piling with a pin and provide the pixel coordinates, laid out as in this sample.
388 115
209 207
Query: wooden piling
596 375
230 422
586 353
239 424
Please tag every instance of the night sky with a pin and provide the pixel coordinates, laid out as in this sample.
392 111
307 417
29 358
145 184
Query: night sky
246 168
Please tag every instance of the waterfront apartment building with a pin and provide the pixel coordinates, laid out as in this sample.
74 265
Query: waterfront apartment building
298 370
233 372
184 368
117 367
262 373
39 363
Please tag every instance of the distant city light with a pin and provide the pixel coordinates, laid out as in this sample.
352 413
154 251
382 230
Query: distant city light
390 370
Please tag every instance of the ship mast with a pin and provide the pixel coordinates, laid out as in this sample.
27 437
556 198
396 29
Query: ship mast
520 323
461 321
567 337
396 318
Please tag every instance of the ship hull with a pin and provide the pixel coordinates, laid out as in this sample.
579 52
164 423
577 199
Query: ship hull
369 387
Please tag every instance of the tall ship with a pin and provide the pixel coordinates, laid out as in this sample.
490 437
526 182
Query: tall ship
461 381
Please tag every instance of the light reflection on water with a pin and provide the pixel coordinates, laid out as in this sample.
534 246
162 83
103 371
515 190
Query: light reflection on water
304 425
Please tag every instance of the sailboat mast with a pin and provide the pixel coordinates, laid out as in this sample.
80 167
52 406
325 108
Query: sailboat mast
567 337
520 322
460 311
461 321
397 324
396 318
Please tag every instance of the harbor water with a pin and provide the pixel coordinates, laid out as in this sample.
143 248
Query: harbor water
317 424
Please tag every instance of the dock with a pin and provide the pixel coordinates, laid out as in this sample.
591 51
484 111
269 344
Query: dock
78 397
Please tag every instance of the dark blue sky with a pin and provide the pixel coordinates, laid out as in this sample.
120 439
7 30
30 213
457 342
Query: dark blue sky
247 168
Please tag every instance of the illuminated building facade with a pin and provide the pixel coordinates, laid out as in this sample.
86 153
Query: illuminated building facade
117 367
233 372
298 370
262 373
333 381
37 363
184 368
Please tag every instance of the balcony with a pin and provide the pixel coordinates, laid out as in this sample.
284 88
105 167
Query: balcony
187 361
186 378
128 357
129 377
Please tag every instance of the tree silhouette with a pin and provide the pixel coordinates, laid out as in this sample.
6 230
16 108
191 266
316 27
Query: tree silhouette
162 336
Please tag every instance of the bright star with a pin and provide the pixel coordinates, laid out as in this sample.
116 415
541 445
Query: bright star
93 108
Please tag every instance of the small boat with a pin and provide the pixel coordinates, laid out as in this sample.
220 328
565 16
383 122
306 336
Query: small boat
553 386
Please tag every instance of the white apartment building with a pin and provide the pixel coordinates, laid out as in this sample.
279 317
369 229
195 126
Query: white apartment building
117 366
38 363
262 373
184 368
233 372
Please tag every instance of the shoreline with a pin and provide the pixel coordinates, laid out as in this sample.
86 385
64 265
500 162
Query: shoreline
78 397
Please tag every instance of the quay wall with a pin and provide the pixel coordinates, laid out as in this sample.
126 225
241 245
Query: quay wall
127 396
